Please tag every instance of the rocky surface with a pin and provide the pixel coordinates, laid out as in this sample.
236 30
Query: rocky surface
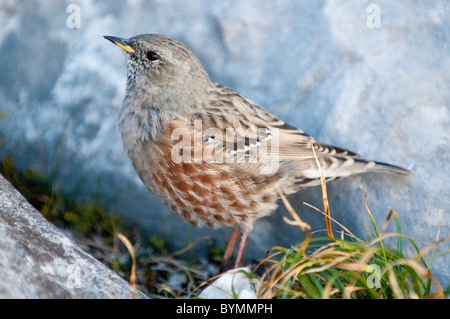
38 261
373 79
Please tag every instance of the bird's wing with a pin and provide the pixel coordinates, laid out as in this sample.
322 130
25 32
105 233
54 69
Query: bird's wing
231 135
257 146
228 109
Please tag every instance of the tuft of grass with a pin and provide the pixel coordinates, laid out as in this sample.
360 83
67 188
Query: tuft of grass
348 267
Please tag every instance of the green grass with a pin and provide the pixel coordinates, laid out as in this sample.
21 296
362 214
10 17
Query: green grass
347 267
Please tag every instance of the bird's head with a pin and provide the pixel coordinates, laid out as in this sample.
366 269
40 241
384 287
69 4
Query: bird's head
157 64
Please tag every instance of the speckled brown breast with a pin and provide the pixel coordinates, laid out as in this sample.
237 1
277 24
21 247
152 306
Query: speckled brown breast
207 193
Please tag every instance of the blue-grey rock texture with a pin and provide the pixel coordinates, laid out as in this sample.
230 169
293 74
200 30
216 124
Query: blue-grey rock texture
370 76
39 261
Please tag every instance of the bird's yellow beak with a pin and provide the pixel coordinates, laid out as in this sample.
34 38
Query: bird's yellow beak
122 43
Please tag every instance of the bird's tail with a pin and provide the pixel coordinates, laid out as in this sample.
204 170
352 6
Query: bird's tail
380 167
338 167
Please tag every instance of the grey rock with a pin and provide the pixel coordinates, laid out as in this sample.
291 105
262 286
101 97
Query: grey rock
38 261
381 92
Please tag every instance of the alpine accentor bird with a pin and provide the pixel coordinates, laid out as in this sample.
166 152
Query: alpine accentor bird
211 154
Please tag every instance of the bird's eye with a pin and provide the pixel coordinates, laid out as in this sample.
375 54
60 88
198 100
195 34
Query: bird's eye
152 56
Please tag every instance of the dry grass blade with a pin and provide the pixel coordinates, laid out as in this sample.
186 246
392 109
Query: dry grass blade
326 206
332 219
306 228
388 218
130 248
430 247
187 248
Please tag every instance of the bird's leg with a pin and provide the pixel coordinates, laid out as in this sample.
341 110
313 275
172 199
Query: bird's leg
240 250
229 250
